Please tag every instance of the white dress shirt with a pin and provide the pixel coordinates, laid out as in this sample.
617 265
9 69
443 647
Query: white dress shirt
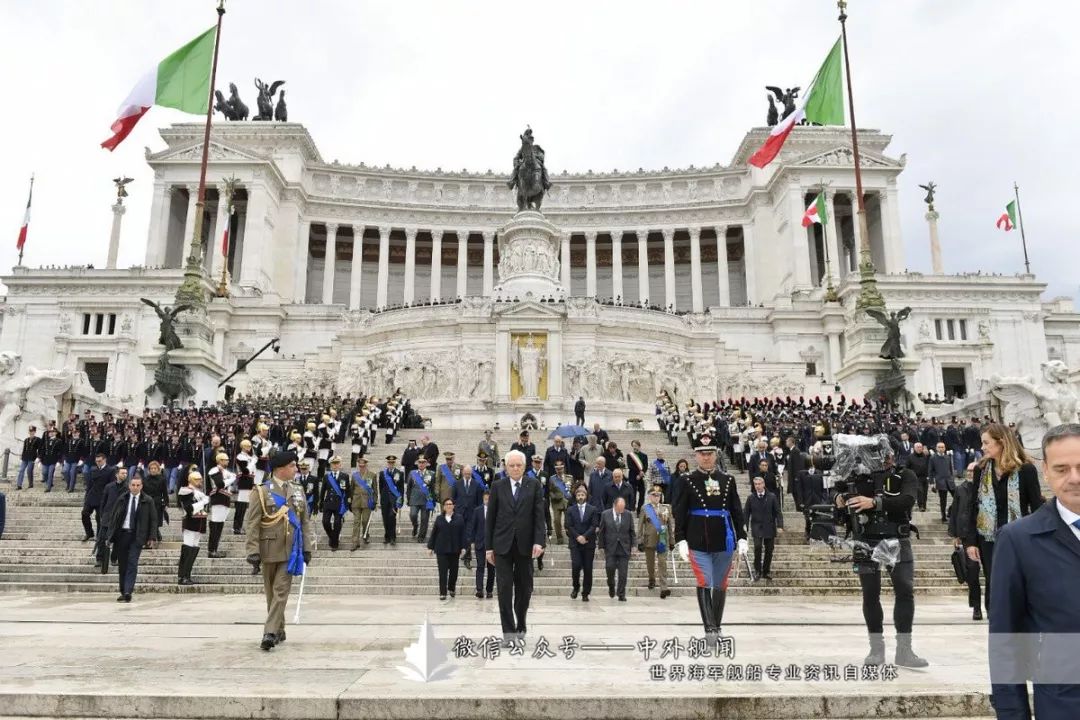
133 507
1070 518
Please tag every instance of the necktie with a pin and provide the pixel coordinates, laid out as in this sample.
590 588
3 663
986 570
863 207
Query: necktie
1076 524
581 510
616 520
132 507
515 490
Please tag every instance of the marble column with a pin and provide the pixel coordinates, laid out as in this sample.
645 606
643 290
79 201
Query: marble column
834 355
436 265
303 238
836 262
697 300
118 210
643 265
669 269
856 230
410 265
384 267
489 254
221 214
502 366
722 266
590 264
750 264
158 237
357 268
257 239
462 263
555 360
329 264
616 266
189 223
892 263
564 263
800 245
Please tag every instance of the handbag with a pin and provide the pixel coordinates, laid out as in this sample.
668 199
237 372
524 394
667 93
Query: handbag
959 563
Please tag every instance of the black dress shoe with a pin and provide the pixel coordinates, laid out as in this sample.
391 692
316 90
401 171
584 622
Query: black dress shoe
88 537
611 592
488 596
452 593
127 598
442 597
977 614
468 564
573 594
479 595
767 576
664 594
268 641
622 598
585 597
652 585
121 598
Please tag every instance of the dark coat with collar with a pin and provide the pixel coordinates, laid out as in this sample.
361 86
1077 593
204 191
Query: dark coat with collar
587 527
762 515
517 522
145 523
1036 564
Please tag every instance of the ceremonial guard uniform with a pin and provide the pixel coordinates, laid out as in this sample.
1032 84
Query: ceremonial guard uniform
221 482
245 481
279 540
656 532
359 439
193 504
325 437
708 520
260 448
559 495
334 501
391 498
363 498
311 448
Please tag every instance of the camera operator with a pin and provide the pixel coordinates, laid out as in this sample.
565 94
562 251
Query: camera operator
888 495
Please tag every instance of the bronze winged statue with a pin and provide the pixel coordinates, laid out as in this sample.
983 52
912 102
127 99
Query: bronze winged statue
266 98
168 336
929 187
121 191
787 97
892 349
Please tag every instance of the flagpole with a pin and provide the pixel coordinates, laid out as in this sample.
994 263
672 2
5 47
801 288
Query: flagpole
190 291
30 199
870 296
1019 217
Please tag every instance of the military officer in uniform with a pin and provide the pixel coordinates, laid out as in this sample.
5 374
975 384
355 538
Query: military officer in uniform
559 485
363 498
334 501
708 520
309 483
391 494
483 468
537 471
656 532
422 500
279 539
447 475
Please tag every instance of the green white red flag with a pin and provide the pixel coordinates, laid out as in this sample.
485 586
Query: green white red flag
1007 221
822 105
816 213
181 81
26 219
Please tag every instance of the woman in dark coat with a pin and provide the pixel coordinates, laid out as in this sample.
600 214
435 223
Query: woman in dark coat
447 544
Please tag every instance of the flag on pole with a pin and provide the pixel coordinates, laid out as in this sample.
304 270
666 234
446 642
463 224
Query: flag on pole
26 219
822 105
1006 222
181 81
816 213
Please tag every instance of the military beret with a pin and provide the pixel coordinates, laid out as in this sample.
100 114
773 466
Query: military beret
281 459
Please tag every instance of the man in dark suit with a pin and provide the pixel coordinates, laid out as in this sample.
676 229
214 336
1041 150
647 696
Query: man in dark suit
475 537
618 489
1035 599
581 521
796 463
763 520
97 479
599 480
556 452
467 496
132 522
514 536
616 539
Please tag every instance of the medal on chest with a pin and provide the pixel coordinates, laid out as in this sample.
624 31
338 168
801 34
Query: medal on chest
712 487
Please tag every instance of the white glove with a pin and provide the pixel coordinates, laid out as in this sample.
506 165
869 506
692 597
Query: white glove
684 550
742 547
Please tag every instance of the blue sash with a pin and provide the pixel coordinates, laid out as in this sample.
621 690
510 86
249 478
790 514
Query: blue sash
479 480
419 479
543 486
337 489
650 512
359 480
665 474
561 486
730 535
392 487
296 553
448 475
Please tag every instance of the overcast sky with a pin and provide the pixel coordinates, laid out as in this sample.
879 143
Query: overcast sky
978 93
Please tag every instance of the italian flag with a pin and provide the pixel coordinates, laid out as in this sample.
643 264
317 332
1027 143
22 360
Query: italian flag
181 81
822 105
1006 222
26 220
816 213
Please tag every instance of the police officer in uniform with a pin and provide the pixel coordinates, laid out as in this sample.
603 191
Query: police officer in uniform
279 539
891 493
363 498
391 494
708 520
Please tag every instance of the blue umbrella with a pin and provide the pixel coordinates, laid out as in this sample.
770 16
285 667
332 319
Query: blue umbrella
568 431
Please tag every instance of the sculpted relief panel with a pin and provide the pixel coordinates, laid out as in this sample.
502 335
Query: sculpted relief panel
428 374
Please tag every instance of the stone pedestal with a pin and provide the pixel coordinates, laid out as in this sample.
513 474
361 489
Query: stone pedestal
197 355
935 245
529 259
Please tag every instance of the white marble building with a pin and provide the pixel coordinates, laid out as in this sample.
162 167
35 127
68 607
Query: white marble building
341 262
